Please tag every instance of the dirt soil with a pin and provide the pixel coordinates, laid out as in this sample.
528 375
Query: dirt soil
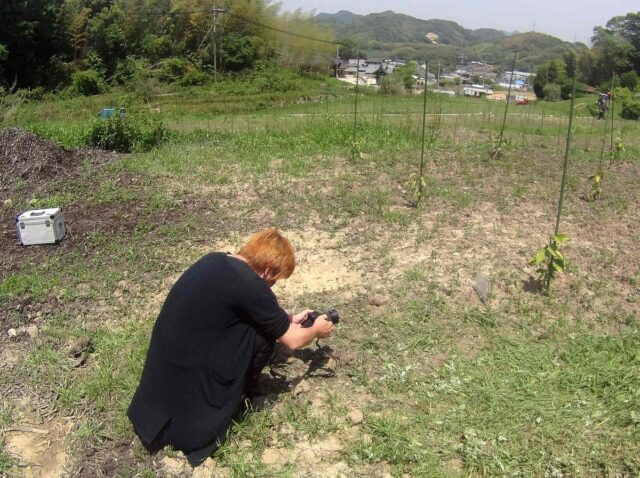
36 161
29 166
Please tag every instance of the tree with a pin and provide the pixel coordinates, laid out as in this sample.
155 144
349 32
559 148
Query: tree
4 53
78 34
240 52
31 34
407 73
348 48
107 37
554 72
628 28
629 80
611 52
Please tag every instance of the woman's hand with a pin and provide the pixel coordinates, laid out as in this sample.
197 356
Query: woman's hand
300 317
298 336
323 326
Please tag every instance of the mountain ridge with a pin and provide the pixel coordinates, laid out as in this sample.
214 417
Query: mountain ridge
389 34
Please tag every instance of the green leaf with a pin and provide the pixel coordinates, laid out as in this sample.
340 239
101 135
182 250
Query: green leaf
538 258
560 238
555 253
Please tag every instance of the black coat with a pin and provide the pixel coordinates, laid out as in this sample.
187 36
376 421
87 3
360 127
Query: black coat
200 349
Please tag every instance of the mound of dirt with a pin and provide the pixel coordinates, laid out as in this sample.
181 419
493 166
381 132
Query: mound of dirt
25 156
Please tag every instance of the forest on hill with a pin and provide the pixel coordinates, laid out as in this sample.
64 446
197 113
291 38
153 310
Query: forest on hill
56 43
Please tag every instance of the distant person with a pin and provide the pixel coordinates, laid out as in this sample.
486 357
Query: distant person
602 104
216 331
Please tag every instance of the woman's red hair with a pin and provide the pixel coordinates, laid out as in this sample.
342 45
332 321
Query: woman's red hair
268 249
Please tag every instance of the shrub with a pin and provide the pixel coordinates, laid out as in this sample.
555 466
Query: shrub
172 69
631 110
125 71
622 95
267 80
124 135
392 85
144 84
629 80
33 94
195 78
88 82
10 103
593 110
552 92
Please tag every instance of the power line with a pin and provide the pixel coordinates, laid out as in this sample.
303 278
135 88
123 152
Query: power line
279 30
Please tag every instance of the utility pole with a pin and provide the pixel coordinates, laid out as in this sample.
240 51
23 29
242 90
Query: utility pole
216 11
461 59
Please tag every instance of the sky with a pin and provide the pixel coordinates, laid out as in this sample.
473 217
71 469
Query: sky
570 20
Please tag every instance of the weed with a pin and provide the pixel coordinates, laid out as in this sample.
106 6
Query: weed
482 317
7 462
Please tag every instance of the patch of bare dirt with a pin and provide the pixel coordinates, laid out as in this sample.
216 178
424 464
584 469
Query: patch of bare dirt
324 263
112 458
40 449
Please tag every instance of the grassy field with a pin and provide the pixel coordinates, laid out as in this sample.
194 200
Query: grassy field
429 381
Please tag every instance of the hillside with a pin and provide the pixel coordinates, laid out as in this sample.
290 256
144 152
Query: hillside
533 49
391 27
390 34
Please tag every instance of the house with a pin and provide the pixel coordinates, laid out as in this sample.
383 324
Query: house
477 91
517 75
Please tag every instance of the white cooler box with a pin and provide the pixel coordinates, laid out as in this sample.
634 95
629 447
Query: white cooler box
41 226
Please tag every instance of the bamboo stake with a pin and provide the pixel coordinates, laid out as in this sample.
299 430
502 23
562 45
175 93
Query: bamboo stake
424 122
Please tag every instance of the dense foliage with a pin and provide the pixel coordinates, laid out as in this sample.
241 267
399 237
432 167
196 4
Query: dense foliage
43 42
615 56
87 45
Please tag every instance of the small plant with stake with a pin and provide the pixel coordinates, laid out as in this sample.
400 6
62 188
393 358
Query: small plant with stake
418 192
549 258
618 149
421 183
596 179
596 184
496 150
550 261
356 150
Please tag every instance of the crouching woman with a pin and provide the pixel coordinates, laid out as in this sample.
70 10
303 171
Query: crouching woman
216 331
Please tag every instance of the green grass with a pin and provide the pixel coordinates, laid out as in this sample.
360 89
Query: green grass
6 418
528 386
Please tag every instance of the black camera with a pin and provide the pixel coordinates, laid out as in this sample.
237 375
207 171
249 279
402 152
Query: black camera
332 315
